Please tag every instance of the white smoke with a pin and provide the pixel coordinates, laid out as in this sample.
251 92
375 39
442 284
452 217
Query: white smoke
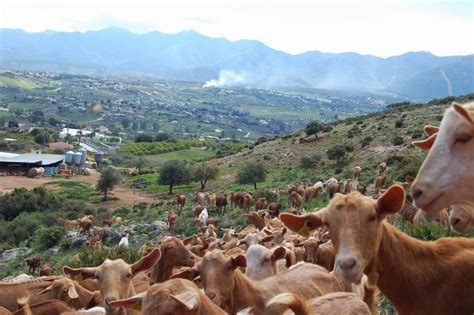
226 78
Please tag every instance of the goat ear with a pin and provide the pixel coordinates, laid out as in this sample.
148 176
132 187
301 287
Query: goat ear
266 239
146 262
302 224
239 261
188 299
391 201
49 288
463 112
278 253
430 130
425 144
134 302
190 274
72 293
79 274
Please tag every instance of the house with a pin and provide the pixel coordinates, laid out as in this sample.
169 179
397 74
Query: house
21 163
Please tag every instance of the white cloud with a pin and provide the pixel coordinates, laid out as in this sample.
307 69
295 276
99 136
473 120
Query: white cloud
381 28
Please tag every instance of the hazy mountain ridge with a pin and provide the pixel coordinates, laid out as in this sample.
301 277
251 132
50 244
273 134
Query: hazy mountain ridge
194 57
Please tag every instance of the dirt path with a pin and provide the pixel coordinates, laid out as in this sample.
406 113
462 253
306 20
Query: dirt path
125 195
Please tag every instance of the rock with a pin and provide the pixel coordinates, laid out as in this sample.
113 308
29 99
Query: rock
78 241
14 252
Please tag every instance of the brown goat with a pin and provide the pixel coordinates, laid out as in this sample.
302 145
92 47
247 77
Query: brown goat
172 221
115 277
357 172
403 268
176 296
340 303
296 200
49 307
33 263
51 288
174 254
238 292
180 201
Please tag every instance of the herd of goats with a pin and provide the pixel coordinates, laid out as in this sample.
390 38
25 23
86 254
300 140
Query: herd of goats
332 261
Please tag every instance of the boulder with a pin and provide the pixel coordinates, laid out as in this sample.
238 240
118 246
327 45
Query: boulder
10 254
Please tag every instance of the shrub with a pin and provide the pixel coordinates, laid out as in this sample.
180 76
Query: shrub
366 141
310 161
313 127
335 153
47 237
399 124
398 140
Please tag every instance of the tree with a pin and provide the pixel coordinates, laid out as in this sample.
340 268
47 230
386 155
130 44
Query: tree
313 127
139 162
109 178
144 137
172 173
336 153
252 173
204 172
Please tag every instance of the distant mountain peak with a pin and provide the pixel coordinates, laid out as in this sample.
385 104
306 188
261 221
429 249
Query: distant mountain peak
191 56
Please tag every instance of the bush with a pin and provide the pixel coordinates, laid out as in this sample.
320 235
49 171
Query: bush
399 124
310 161
313 127
398 140
335 153
144 137
366 141
47 237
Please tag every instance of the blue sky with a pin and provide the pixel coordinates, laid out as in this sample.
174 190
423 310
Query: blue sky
382 28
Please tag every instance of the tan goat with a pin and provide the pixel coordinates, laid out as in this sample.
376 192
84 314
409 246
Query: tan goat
445 177
417 277
238 292
261 261
115 278
461 218
340 303
173 254
48 288
176 296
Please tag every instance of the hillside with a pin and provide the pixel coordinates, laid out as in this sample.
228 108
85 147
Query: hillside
192 56
365 141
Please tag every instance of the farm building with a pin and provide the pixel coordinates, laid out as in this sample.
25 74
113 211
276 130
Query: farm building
21 163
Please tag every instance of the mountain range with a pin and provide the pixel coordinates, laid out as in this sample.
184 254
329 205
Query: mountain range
191 56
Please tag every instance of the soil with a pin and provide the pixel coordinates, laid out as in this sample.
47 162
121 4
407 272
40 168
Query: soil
120 195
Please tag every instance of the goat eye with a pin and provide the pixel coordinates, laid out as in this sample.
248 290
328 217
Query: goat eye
463 139
326 223
372 218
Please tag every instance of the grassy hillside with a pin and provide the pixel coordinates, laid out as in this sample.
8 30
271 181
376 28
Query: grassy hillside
365 141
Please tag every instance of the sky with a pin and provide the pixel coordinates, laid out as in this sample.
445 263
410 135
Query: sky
381 28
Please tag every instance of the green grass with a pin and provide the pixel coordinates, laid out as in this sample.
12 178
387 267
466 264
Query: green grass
77 190
17 82
21 105
189 155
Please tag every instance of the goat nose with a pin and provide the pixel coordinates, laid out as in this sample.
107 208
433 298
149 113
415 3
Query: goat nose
454 221
109 299
211 295
347 263
416 193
